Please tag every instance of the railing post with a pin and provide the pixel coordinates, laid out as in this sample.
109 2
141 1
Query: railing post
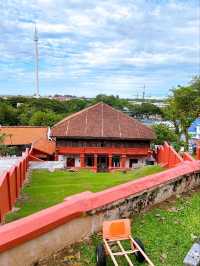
9 189
16 183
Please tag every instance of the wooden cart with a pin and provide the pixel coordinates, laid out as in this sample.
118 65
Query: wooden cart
114 232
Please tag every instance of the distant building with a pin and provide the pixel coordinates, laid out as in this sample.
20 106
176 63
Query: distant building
194 132
62 97
102 138
194 129
23 137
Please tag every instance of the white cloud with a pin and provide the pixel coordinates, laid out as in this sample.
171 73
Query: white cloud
45 27
121 42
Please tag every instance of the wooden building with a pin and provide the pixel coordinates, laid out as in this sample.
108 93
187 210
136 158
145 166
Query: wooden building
102 138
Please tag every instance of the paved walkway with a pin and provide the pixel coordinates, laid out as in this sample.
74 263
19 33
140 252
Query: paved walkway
6 163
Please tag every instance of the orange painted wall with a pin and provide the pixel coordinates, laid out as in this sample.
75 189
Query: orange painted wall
11 183
12 186
4 195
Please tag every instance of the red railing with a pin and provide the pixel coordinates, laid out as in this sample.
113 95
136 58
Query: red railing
187 157
167 156
10 184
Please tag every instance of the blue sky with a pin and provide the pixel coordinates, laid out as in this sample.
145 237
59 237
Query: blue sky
89 47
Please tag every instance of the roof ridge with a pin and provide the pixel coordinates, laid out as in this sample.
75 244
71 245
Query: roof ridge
76 113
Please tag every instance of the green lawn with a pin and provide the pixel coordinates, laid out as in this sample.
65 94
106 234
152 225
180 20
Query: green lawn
167 231
46 189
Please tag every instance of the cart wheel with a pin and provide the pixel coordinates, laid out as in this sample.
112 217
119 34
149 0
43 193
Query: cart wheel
138 254
100 255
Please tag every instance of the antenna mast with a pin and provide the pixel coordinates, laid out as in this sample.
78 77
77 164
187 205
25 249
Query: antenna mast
36 63
143 93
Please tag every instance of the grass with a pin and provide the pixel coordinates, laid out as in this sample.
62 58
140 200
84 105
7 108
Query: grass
167 231
46 189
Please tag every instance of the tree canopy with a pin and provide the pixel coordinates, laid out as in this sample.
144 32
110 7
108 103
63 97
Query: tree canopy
164 133
183 107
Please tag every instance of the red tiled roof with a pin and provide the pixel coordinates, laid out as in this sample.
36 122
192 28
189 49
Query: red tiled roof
22 135
45 145
102 121
29 135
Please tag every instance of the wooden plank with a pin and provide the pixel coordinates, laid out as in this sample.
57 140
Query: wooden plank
122 253
125 255
110 253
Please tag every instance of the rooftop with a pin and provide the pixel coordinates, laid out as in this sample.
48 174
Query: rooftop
29 135
22 135
102 121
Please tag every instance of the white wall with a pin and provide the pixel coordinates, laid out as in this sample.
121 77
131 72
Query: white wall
141 160
77 161
47 165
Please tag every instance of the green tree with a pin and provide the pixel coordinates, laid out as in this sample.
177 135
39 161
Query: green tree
8 115
47 118
145 109
112 100
164 133
3 147
183 107
75 105
170 113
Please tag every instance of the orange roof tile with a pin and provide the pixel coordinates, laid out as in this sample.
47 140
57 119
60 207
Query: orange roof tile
22 135
45 145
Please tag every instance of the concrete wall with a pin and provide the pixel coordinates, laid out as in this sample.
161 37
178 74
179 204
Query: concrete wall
47 165
25 241
141 161
64 158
